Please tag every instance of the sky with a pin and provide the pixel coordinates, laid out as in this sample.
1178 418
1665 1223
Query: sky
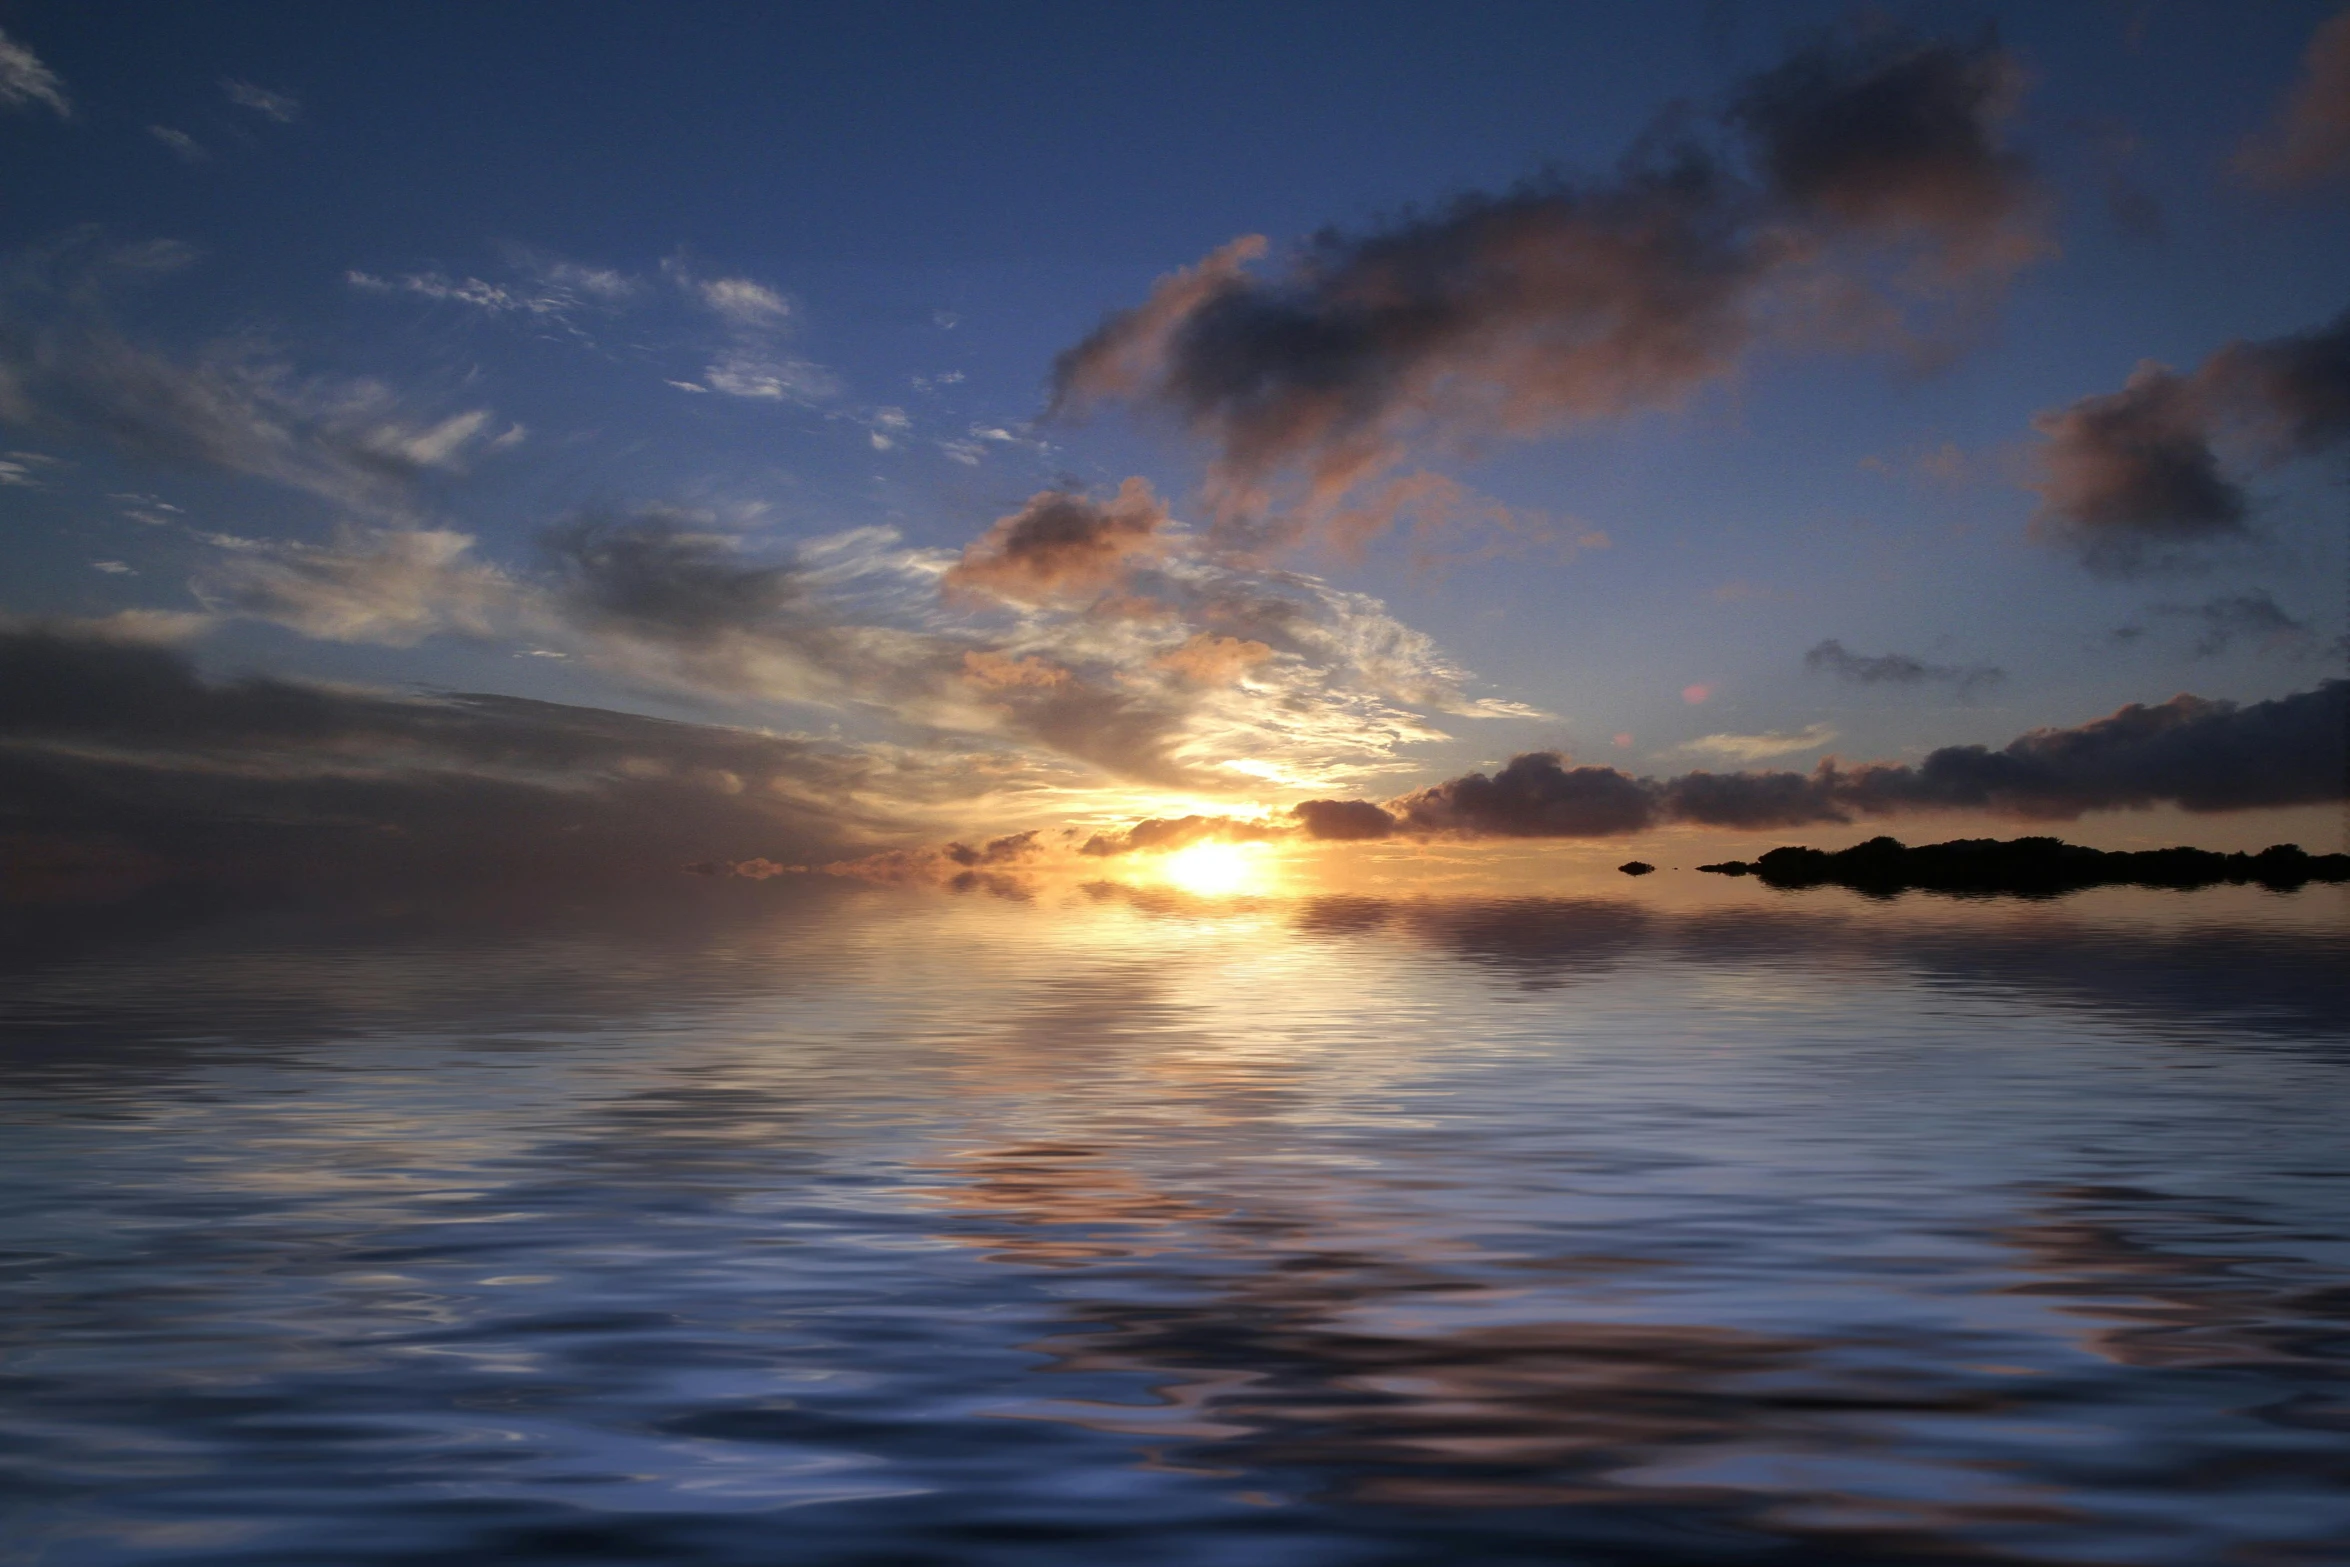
547 434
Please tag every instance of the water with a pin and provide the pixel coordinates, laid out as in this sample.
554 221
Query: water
839 1226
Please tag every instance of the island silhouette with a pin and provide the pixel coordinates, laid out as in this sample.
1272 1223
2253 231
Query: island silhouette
2031 867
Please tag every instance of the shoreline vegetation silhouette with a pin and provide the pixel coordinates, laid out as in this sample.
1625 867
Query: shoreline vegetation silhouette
2031 867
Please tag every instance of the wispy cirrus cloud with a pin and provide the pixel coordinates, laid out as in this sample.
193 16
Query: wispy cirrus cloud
180 144
539 292
354 442
23 470
237 407
752 360
26 83
283 107
1762 747
393 587
743 301
1175 669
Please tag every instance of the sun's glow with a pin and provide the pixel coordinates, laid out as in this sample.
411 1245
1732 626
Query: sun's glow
1211 870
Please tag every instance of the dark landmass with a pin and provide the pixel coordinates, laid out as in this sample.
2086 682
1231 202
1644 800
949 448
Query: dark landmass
1636 867
2031 867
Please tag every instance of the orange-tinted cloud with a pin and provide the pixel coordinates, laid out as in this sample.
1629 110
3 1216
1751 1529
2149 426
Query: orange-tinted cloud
1063 544
1000 672
2310 138
1562 302
1210 660
1177 832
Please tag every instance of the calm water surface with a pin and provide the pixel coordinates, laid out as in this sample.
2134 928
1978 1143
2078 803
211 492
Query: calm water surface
858 1227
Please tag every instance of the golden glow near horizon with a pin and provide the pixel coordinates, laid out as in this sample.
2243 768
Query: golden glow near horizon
1214 870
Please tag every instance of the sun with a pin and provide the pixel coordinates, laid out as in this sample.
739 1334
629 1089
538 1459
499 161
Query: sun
1215 869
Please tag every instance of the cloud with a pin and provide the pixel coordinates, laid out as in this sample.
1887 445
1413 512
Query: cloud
2291 392
442 288
1755 748
541 292
2309 140
1900 669
997 672
752 363
740 300
357 443
551 296
2194 753
183 146
656 598
776 378
1105 636
653 574
1343 820
1746 800
282 107
1565 302
960 866
1536 796
109 747
25 82
2198 754
2125 474
1877 135
2228 618
392 587
1063 543
2133 480
1160 835
1211 660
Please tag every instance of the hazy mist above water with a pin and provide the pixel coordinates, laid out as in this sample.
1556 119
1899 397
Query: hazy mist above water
819 1223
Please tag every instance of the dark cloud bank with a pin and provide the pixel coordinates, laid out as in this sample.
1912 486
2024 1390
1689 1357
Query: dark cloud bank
1836 197
2190 752
120 766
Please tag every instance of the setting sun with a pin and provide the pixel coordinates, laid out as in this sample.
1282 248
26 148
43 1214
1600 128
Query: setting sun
1216 869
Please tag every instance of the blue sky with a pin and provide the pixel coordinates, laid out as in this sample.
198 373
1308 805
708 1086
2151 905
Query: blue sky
330 330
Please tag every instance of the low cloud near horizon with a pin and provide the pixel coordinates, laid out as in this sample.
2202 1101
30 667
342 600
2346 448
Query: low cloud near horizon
2198 755
117 760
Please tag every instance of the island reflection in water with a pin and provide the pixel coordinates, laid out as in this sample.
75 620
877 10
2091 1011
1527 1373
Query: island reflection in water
831 1225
